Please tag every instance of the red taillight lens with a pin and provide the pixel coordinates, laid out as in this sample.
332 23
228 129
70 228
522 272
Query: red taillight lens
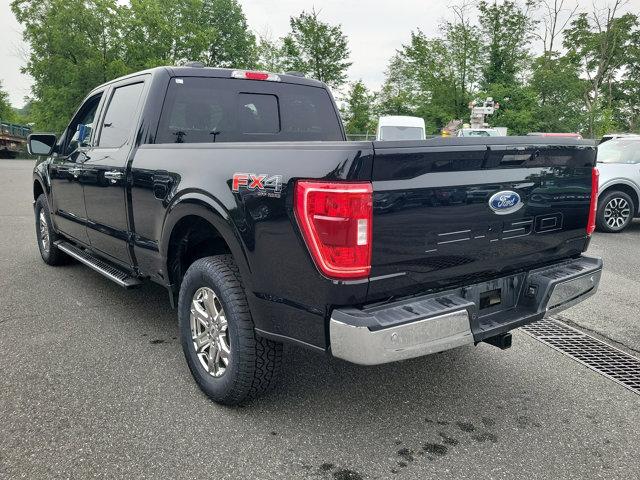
253 75
335 219
593 207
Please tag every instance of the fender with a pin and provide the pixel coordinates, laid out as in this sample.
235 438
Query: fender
619 181
209 208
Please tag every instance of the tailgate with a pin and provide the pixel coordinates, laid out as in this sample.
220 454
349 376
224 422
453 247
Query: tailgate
456 211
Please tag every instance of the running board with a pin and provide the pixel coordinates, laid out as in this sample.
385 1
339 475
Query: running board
112 272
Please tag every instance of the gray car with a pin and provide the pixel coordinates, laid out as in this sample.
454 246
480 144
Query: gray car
619 187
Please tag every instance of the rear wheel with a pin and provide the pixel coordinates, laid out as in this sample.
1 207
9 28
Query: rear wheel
615 212
227 359
46 235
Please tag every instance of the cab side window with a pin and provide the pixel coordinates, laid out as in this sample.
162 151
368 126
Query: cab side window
81 127
120 116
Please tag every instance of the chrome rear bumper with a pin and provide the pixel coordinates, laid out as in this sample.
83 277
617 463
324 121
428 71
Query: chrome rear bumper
446 320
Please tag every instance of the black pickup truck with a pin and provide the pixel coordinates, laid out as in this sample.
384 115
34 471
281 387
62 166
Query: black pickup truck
237 191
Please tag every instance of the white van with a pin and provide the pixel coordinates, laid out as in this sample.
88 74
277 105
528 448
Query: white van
400 128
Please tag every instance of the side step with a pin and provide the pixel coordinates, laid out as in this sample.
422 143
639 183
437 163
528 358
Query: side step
112 272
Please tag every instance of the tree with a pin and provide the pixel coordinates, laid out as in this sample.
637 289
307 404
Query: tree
556 81
317 48
507 28
230 43
358 112
597 42
270 54
394 97
628 89
75 45
162 33
7 112
555 19
464 46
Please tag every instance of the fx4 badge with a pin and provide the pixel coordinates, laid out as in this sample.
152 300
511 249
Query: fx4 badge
262 184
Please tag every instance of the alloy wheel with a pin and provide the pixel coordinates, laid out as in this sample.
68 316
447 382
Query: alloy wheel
44 231
616 213
209 331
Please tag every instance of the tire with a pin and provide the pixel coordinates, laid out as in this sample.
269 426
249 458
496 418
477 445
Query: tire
253 362
46 235
616 211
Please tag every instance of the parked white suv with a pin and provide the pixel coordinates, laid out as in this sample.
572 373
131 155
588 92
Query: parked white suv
619 197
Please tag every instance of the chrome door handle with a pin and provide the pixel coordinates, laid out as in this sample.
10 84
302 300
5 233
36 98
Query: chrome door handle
113 175
75 172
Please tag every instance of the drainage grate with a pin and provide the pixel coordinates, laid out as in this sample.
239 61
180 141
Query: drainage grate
609 361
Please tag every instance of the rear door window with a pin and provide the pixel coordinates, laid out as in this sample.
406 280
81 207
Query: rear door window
120 116
207 110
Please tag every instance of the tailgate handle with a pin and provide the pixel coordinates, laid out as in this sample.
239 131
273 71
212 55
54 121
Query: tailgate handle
517 156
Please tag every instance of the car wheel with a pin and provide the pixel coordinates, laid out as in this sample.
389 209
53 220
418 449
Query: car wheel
228 360
46 235
615 212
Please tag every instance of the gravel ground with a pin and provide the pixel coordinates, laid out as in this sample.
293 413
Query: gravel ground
93 384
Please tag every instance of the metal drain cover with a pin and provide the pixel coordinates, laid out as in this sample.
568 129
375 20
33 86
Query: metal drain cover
609 361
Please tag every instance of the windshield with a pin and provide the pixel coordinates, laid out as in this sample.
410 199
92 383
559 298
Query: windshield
479 133
401 133
619 151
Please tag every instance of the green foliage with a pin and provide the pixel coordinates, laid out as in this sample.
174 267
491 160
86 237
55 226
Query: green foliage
316 48
556 82
507 28
7 113
77 45
270 55
358 113
484 49
600 45
229 42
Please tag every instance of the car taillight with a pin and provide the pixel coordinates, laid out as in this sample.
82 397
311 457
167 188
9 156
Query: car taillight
593 207
335 219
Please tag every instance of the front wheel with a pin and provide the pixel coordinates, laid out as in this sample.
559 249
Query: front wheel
227 359
615 212
46 235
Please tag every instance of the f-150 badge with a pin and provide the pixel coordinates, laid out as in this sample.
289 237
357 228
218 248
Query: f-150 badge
262 183
505 202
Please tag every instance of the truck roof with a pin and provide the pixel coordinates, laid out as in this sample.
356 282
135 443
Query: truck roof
211 72
400 121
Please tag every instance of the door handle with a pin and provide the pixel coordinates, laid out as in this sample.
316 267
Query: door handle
113 175
75 171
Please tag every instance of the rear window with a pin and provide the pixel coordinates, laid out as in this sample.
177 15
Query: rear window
207 110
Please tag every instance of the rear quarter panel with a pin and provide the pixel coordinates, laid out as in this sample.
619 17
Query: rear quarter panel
287 294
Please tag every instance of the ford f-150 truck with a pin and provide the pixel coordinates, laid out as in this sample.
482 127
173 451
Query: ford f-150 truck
237 191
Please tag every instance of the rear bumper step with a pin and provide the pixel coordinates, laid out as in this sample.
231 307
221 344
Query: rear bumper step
446 320
109 270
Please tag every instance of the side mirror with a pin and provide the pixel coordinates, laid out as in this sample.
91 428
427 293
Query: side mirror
41 143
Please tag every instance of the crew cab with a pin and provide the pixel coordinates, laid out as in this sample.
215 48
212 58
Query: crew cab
237 191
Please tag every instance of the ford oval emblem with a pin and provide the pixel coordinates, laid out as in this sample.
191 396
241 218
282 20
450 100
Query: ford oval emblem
503 203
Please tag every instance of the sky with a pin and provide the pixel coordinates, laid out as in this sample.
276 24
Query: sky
375 29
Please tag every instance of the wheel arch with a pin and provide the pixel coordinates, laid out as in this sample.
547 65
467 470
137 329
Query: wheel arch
196 226
38 189
624 186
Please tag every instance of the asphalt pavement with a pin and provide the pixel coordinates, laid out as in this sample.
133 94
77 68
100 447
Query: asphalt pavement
93 384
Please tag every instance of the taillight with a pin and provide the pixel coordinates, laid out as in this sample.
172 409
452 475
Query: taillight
252 75
593 207
335 219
